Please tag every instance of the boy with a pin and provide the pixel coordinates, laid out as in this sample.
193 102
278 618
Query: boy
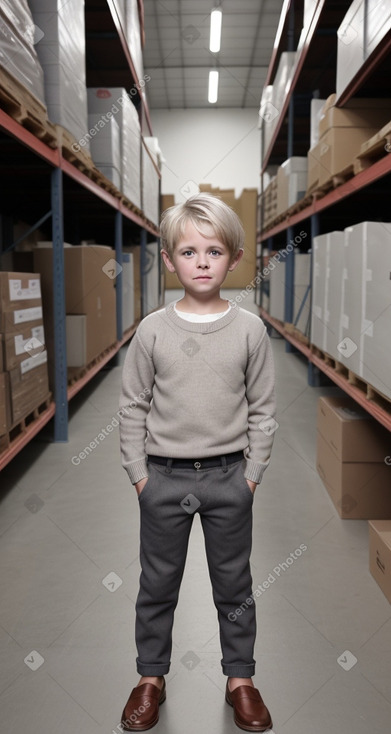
199 442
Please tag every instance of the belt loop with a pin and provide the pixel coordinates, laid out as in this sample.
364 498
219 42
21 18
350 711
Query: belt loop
224 463
168 468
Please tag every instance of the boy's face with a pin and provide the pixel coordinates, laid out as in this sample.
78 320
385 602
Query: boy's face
201 263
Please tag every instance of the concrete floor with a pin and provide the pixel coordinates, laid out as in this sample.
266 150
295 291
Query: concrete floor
69 573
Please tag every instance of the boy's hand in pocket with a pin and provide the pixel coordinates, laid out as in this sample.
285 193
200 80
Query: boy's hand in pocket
252 485
139 486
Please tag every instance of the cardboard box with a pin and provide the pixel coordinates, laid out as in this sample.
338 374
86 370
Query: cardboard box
78 351
301 282
316 111
375 349
89 285
29 386
152 276
365 302
246 208
135 250
351 433
167 200
291 182
89 289
115 101
128 291
105 145
28 341
20 300
333 304
380 554
5 407
338 148
363 27
356 113
359 490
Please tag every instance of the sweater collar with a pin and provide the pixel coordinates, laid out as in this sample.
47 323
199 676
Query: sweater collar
201 328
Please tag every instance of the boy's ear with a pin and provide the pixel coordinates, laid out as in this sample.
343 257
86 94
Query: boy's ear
237 259
170 267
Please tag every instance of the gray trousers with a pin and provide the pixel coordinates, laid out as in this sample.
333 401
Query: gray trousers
167 504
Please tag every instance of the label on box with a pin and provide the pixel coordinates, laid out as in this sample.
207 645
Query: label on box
28 314
31 362
17 293
20 343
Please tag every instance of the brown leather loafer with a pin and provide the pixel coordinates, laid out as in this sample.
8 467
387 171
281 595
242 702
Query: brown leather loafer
250 713
142 709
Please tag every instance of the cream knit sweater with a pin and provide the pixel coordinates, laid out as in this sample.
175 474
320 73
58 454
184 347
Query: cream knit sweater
192 390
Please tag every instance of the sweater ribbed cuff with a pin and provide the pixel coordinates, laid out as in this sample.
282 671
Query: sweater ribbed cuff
254 470
137 470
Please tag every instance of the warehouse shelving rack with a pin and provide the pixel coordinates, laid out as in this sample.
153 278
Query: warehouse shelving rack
366 191
42 185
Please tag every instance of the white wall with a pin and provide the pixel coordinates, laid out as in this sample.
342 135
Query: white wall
217 146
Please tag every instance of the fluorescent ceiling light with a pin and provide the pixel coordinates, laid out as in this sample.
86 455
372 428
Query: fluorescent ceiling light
215 31
213 86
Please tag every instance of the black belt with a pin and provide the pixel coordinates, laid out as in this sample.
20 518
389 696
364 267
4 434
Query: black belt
197 464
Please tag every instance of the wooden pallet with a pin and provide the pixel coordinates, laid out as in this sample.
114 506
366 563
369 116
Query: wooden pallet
332 183
18 102
77 373
330 361
378 146
296 333
370 392
73 152
18 429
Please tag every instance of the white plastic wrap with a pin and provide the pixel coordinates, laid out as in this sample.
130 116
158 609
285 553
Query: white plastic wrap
105 146
154 149
116 102
18 41
150 188
62 55
133 37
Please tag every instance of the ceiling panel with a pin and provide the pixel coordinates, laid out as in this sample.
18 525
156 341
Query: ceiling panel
176 52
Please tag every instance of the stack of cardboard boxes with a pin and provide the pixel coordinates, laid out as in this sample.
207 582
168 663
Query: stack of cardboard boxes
301 300
116 138
90 300
354 463
62 54
351 459
23 356
363 28
351 300
291 182
341 134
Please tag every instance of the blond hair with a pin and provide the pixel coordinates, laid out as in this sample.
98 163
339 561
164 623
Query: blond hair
206 212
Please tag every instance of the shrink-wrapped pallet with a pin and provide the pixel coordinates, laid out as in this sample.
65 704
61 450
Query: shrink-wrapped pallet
116 103
19 40
62 55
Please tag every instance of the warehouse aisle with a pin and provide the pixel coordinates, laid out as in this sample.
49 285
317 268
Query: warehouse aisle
69 577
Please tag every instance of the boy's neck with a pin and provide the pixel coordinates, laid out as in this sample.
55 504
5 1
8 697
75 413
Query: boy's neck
187 304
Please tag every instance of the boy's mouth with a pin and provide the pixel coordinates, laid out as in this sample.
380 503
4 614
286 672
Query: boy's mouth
203 277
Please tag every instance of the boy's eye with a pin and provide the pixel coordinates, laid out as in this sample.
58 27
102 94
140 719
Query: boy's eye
213 252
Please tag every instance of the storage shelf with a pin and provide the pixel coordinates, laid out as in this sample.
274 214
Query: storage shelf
81 201
55 158
36 426
295 74
367 69
381 415
31 430
126 50
360 181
